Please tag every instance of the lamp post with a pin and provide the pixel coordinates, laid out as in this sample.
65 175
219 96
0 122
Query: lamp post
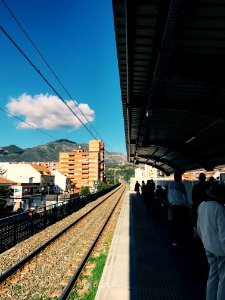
42 194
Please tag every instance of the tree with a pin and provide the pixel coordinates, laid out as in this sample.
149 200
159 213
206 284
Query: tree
102 186
119 172
84 190
4 192
126 174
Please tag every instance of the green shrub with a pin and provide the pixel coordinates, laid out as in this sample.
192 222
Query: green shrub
84 190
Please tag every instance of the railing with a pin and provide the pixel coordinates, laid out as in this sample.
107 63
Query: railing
19 227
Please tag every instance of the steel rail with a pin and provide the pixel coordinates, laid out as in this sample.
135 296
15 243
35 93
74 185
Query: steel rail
22 262
67 290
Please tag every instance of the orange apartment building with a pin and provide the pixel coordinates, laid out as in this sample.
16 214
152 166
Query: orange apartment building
84 168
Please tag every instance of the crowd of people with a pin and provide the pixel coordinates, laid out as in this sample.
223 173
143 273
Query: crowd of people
203 219
154 197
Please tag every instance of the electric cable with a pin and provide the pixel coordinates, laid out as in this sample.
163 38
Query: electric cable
44 78
2 109
57 78
18 118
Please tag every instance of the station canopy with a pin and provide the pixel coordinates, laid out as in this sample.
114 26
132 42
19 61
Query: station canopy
171 57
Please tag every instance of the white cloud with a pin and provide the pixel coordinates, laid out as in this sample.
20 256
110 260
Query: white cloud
49 112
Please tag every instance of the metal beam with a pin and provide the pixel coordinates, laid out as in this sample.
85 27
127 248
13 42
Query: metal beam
169 25
183 150
203 108
159 168
164 161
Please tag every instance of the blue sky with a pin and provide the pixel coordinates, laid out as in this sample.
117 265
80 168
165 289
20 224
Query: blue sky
77 39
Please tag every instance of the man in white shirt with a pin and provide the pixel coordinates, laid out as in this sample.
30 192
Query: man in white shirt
180 227
211 229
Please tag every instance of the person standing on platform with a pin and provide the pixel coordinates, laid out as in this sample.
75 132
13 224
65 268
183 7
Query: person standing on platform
211 184
159 200
211 229
143 186
137 188
199 194
180 227
150 197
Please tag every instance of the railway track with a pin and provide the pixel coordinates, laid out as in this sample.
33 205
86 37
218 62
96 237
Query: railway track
50 271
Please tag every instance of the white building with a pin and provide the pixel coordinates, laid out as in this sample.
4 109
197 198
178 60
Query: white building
31 182
143 173
60 181
139 174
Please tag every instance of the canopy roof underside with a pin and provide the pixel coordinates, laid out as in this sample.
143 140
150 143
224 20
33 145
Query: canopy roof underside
171 57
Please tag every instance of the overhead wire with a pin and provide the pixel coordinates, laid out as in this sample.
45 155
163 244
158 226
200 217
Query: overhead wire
18 118
50 68
44 78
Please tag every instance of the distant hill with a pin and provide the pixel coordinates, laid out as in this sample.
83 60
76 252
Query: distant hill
115 158
50 152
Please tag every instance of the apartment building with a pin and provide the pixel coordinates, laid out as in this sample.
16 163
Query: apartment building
84 168
98 146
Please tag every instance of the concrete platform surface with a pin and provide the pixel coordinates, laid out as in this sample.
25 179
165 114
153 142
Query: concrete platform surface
142 263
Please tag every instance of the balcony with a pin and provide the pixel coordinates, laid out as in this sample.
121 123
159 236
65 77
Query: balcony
84 171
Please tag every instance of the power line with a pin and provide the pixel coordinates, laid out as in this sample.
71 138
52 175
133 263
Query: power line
42 131
2 109
57 78
44 78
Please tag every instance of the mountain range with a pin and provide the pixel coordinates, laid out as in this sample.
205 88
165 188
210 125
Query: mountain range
50 152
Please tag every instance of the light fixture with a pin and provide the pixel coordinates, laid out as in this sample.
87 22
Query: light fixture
148 113
190 140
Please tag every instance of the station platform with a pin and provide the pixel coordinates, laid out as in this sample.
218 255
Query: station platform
143 264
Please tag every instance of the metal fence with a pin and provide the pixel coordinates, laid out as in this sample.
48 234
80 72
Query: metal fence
19 227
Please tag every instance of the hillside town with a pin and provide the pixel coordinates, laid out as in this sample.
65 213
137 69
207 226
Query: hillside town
34 184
